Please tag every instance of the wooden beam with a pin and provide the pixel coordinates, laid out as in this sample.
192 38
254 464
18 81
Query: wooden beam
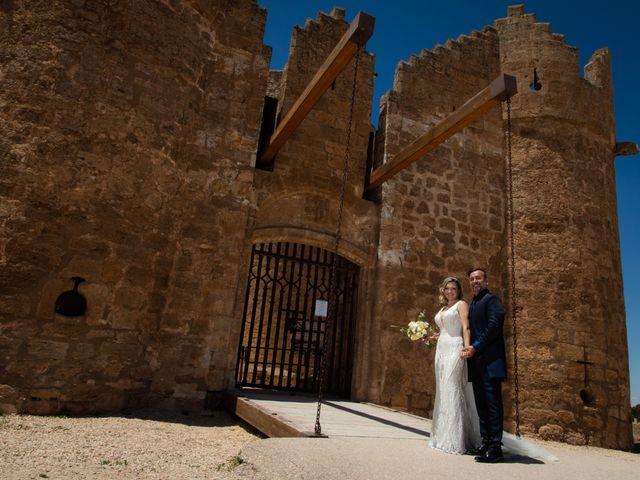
500 89
257 417
357 35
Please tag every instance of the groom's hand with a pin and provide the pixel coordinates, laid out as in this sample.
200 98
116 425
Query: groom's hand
467 352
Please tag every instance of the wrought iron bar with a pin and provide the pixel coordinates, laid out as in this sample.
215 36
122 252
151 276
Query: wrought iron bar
307 325
297 309
331 354
272 301
278 286
286 337
265 288
253 309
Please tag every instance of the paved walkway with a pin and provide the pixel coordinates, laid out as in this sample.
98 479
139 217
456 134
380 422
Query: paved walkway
339 418
368 442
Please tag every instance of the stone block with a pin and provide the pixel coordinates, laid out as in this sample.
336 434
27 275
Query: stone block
131 298
18 305
82 266
82 351
98 296
123 352
216 379
593 422
421 402
127 384
100 334
447 224
8 395
64 329
41 407
45 394
121 318
47 351
112 272
107 366
8 408
566 417
575 438
189 391
400 400
551 432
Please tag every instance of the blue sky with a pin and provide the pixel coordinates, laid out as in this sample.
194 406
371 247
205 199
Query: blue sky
404 27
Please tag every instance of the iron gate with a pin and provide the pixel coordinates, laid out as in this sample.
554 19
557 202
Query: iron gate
283 326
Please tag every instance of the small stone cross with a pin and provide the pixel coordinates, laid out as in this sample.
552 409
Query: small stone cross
585 363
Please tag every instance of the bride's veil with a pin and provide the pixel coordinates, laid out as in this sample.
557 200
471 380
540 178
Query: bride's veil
510 443
519 446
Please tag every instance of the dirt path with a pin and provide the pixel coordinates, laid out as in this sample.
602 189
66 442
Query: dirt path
146 444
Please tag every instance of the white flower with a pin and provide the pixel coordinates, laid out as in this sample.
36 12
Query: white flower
419 329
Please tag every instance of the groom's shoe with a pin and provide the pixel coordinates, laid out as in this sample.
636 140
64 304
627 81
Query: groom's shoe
479 451
492 455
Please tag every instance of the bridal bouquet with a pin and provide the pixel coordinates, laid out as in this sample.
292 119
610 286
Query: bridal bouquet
420 329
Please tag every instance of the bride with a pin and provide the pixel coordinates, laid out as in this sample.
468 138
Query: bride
455 426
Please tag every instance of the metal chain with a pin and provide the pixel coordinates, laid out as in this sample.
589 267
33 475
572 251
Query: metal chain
334 263
512 264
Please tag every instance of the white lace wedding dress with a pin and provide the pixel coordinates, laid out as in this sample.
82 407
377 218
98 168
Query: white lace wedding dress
455 426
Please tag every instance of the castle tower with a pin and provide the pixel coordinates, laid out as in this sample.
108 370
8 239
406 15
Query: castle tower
569 281
128 141
298 199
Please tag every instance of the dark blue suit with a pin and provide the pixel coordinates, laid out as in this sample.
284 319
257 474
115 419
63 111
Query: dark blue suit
488 367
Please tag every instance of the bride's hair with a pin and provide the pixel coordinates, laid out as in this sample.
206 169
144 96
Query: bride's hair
441 297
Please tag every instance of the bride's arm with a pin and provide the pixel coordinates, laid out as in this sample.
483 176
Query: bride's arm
463 310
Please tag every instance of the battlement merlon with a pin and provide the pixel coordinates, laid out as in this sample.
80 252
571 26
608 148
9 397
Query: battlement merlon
598 71
439 55
516 16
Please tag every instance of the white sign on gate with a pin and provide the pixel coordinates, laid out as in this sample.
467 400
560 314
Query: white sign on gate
321 308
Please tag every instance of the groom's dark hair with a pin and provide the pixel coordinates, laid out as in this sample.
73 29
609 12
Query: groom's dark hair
477 269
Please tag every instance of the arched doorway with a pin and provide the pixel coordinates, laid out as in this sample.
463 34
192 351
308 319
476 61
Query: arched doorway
284 319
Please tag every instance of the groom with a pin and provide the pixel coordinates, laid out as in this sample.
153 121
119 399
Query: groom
486 364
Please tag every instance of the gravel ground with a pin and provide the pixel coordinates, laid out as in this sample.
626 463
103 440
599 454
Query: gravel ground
145 444
159 445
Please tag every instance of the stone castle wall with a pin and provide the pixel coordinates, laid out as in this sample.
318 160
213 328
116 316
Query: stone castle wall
569 276
128 158
128 144
440 216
